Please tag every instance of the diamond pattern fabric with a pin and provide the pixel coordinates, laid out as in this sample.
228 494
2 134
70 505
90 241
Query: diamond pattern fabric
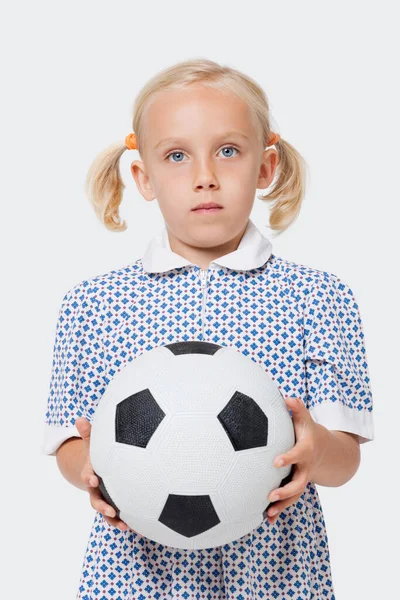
302 325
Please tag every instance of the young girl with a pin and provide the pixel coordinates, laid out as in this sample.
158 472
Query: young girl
204 136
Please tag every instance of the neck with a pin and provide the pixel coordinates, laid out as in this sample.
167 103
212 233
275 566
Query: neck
201 256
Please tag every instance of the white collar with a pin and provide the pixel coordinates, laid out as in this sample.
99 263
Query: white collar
253 251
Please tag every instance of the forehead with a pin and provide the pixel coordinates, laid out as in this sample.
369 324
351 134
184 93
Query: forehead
194 109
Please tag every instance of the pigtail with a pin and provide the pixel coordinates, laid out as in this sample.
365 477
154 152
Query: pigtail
104 187
289 187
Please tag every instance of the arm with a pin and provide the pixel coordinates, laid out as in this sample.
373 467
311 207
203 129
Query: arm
340 459
71 456
73 460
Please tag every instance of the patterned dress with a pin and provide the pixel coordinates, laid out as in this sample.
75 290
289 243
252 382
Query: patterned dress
301 324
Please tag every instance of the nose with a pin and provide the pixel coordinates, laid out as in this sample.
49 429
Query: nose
205 177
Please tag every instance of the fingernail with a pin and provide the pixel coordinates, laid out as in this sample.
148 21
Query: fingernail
109 512
93 481
279 462
273 511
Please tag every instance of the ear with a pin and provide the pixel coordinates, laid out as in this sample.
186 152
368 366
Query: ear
142 180
269 162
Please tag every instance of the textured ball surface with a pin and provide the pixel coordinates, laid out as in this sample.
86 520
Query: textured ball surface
183 442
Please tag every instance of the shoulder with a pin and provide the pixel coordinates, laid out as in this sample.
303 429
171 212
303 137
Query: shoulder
304 282
100 290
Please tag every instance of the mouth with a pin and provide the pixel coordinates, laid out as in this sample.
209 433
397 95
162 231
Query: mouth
214 209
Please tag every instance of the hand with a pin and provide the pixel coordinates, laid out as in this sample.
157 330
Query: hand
305 455
91 481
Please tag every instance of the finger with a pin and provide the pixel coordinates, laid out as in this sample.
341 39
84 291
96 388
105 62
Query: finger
89 477
98 503
296 404
278 507
84 428
93 480
301 452
290 458
109 515
116 523
295 486
105 509
300 413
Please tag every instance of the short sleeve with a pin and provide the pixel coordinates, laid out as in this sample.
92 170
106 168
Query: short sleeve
77 379
338 389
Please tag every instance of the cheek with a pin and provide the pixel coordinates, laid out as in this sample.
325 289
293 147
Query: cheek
176 181
239 186
174 209
241 174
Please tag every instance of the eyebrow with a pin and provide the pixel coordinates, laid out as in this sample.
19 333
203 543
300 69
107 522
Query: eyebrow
179 140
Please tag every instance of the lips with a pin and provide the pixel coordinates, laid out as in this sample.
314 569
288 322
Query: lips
208 211
207 205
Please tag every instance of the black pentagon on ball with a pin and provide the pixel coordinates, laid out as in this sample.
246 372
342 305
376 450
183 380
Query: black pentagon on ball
245 422
189 515
193 347
137 418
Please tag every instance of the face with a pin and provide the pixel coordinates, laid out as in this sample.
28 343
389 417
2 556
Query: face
201 145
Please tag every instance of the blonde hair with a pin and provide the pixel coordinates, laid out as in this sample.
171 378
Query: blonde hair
104 186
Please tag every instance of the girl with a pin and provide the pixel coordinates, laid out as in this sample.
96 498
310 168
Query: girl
204 136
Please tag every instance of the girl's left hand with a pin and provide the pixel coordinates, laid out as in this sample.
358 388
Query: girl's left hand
305 455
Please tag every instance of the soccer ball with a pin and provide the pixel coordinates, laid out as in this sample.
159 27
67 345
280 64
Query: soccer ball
183 442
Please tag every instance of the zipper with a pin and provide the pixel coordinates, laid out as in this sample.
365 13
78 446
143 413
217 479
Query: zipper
203 278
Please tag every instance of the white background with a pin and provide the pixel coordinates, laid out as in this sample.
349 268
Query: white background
70 73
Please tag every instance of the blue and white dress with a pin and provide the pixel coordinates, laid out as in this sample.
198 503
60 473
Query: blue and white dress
301 324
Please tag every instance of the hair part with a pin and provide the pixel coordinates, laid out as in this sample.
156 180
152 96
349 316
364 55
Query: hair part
104 185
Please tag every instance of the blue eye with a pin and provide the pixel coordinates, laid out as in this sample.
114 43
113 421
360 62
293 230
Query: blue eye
172 153
181 154
229 148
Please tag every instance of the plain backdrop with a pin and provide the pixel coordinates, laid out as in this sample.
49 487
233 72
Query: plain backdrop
70 73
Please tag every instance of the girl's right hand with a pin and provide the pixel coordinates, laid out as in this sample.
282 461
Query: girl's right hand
91 481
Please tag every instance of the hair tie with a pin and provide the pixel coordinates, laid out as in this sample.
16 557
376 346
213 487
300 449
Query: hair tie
273 138
130 141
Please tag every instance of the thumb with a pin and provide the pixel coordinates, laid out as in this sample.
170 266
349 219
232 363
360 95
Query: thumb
295 405
84 428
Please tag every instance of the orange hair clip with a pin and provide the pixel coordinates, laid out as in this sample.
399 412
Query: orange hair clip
275 137
130 141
